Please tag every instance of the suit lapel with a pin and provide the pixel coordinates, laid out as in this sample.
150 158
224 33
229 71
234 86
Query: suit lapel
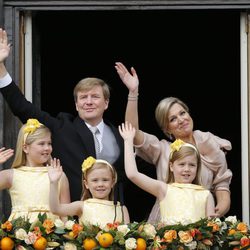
85 135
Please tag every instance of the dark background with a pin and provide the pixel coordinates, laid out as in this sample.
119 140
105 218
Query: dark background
193 55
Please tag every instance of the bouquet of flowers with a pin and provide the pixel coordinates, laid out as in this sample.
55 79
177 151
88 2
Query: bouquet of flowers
70 235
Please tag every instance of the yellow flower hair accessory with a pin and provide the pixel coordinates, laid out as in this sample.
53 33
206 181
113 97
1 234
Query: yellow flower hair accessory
30 126
88 163
177 144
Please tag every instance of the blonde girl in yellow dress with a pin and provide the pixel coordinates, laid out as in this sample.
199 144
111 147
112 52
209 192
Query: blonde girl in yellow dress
96 206
182 198
27 180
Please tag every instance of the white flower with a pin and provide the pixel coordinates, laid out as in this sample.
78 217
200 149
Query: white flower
130 244
149 231
223 226
191 245
232 219
69 224
69 246
59 223
123 229
218 221
20 234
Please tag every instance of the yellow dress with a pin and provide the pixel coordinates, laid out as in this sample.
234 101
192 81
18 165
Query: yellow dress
30 193
100 212
183 203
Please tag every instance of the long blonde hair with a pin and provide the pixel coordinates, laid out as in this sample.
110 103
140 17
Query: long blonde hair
27 138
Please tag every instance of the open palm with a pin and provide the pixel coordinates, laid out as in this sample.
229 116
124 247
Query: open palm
129 79
4 46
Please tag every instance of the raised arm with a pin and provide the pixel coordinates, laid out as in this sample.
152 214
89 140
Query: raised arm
132 83
55 173
4 51
150 185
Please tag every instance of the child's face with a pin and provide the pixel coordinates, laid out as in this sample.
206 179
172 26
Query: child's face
38 152
185 169
100 183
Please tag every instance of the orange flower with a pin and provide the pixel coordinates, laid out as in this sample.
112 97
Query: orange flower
195 232
242 227
244 241
185 236
112 226
215 226
231 231
7 225
48 225
76 229
37 231
170 235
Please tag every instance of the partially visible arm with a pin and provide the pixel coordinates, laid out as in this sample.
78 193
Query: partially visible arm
126 215
6 177
150 185
64 189
223 202
132 83
71 209
210 209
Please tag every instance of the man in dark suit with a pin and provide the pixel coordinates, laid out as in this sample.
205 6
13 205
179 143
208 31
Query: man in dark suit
71 136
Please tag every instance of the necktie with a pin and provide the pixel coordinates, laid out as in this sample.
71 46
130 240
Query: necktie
94 131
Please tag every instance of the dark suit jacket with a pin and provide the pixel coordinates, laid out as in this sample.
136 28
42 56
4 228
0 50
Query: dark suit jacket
72 141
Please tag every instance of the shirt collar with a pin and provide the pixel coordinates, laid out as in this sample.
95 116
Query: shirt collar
100 126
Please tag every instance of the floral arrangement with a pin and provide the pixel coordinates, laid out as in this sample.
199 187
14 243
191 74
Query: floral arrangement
44 233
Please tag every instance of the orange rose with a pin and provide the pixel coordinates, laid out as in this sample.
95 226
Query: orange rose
185 236
48 225
170 235
7 225
242 227
215 226
231 231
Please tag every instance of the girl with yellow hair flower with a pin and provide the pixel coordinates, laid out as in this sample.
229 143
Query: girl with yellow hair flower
27 180
96 206
182 198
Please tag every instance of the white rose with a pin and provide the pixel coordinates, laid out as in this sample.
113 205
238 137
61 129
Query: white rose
123 229
69 246
232 219
191 245
130 244
69 224
20 234
59 223
149 231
